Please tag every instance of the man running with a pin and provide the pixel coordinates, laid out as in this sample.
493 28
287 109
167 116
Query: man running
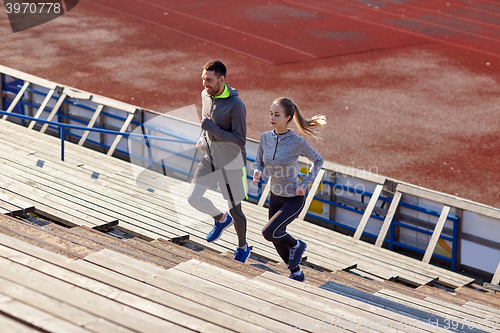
223 140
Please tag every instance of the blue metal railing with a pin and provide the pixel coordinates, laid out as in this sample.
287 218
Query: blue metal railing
114 116
62 130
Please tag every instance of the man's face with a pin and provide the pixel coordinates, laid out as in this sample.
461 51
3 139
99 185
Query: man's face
213 85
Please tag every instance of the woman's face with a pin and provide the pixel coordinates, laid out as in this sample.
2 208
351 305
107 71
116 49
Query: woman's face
278 119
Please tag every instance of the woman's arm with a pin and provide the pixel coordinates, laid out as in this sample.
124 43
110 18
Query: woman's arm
317 162
259 163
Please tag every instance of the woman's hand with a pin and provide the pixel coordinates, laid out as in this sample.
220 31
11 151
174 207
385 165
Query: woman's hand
301 190
257 175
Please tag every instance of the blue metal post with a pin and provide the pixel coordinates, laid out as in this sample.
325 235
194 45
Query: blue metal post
63 134
454 248
391 236
148 146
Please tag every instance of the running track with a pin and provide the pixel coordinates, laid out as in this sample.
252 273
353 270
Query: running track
287 31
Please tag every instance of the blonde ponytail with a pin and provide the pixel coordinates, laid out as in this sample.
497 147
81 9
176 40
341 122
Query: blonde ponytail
306 126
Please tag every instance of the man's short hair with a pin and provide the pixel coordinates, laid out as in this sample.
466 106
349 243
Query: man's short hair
217 66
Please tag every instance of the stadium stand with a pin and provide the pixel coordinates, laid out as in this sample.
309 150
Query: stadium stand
152 273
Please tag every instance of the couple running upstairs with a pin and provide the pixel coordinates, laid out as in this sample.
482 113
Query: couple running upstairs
223 142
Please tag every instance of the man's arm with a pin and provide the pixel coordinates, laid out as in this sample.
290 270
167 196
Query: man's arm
238 127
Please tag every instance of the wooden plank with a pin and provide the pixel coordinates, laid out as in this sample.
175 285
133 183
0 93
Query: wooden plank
487 309
75 219
85 297
50 195
162 202
367 275
466 311
217 287
11 325
127 270
496 277
437 309
33 250
16 202
38 319
42 241
119 188
436 234
51 181
167 314
353 172
32 143
490 286
27 77
368 211
42 107
36 195
11 209
77 94
346 242
319 309
346 308
113 103
265 194
450 200
119 137
378 261
388 219
38 144
56 308
16 99
53 112
362 310
91 123
5 211
312 193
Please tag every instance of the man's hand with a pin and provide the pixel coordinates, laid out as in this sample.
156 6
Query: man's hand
200 145
207 123
257 175
301 190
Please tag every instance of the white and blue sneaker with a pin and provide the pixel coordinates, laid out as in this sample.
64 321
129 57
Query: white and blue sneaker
296 253
298 276
242 254
219 228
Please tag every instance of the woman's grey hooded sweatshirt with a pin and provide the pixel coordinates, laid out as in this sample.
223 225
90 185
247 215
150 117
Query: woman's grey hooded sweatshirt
279 154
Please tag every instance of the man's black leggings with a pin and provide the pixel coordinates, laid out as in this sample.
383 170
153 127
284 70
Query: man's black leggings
282 211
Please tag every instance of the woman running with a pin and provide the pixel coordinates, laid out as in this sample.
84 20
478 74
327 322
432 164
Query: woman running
279 151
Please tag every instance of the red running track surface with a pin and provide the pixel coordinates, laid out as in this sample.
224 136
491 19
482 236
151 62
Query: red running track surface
287 31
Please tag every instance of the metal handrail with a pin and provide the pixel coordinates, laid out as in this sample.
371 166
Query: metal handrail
62 130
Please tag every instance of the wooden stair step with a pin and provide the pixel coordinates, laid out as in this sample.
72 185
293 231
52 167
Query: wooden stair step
229 314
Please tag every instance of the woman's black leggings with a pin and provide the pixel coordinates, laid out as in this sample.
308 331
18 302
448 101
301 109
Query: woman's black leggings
282 211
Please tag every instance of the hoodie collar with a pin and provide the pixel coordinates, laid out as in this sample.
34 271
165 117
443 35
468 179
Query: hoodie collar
290 132
225 93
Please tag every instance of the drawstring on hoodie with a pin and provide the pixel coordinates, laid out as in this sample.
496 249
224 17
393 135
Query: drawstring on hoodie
277 140
276 148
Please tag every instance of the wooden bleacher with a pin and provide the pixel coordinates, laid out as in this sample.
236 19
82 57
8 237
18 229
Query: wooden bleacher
98 191
9 205
55 279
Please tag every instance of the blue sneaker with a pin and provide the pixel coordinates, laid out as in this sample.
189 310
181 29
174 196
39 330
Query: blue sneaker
298 276
296 253
219 228
242 255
